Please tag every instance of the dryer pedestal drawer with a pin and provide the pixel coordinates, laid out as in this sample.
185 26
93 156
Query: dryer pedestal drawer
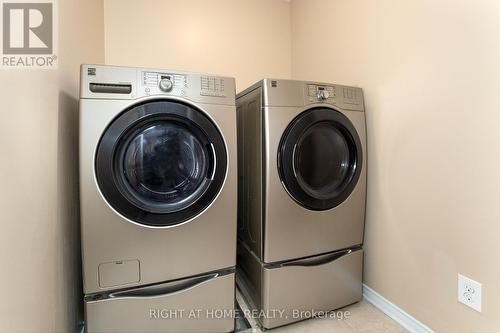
294 290
318 284
197 304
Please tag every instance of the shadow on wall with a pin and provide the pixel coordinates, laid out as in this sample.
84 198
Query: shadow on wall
68 277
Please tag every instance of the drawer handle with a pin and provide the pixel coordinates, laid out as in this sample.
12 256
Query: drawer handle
322 260
163 289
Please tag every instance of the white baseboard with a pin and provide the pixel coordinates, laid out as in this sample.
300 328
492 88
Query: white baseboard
393 311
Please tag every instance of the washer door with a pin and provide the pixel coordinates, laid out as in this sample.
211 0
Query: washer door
320 158
161 163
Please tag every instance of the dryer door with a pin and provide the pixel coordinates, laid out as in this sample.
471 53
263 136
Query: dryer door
161 163
320 158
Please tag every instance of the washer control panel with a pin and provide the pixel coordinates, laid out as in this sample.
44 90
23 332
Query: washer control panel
183 85
321 93
157 82
114 82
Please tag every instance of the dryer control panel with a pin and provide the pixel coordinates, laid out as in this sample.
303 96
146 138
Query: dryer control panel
319 93
343 96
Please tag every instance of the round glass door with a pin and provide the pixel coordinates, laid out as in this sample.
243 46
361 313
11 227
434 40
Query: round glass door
161 163
164 166
319 158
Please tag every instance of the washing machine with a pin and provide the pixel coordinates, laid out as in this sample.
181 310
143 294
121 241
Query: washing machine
302 192
157 187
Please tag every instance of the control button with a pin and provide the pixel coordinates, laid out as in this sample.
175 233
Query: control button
311 90
165 85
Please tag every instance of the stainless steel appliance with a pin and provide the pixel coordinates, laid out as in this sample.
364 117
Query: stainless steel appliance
302 190
157 189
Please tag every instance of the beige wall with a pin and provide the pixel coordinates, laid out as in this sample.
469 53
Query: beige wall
248 39
39 245
430 73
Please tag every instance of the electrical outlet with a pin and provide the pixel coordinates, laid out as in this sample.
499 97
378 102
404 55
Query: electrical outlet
469 292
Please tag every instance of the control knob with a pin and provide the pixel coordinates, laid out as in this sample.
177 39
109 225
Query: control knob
323 95
165 85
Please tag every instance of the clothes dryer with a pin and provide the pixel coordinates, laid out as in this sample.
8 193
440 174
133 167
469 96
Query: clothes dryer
302 192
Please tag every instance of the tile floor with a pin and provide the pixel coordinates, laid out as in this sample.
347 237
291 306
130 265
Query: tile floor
363 318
